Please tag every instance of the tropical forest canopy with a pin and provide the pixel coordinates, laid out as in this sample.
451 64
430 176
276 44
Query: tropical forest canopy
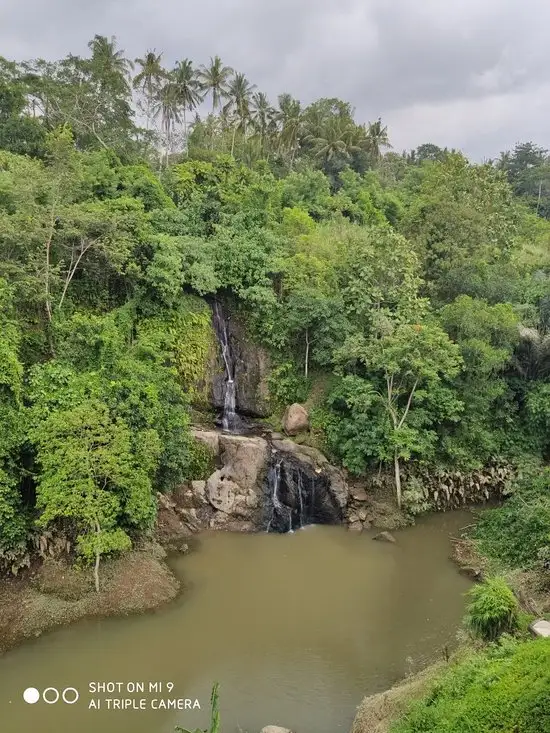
414 286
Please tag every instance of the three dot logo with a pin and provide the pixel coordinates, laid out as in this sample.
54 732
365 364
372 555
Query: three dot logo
51 695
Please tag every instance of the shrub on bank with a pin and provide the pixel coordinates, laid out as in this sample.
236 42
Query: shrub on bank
516 533
506 688
493 609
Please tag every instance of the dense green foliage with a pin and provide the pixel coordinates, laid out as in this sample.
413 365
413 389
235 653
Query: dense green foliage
414 286
492 609
517 535
506 688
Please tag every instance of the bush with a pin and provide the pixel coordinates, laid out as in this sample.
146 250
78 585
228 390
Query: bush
201 461
287 385
506 688
515 533
493 609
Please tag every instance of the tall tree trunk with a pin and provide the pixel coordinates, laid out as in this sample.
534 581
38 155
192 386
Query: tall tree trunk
233 139
97 557
397 470
307 353
185 133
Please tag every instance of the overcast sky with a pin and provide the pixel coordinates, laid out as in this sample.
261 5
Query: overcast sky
471 74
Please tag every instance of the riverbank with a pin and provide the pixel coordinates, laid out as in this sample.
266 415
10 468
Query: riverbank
56 594
377 713
530 586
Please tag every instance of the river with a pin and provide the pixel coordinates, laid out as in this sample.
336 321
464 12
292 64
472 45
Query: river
296 628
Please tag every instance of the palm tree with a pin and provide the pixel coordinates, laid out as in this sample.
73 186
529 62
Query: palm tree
166 106
290 118
111 66
149 78
334 139
377 137
263 117
188 90
240 97
214 79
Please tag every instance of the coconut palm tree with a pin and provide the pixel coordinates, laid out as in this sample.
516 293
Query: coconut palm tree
291 124
149 79
336 138
214 79
166 106
377 136
239 94
188 90
110 65
262 117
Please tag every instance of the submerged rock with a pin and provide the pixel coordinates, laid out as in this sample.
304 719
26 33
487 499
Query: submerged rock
295 419
385 537
275 729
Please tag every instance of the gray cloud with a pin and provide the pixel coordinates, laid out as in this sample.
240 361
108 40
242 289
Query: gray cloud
470 74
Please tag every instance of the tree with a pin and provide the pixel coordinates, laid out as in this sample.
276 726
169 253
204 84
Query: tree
290 119
463 223
13 519
167 107
486 335
412 361
187 91
262 118
239 95
109 66
91 95
149 79
313 320
215 80
89 475
377 138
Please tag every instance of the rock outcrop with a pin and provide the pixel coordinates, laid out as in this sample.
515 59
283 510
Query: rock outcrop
295 419
261 484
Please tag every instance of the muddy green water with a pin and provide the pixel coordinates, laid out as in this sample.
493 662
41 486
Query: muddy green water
296 628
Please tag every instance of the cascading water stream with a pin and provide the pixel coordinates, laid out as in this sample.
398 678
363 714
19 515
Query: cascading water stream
230 419
274 480
296 496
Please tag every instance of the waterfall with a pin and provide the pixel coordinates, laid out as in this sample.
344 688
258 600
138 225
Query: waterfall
230 419
296 496
274 480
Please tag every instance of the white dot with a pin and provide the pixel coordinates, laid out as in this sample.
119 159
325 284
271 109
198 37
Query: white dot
31 695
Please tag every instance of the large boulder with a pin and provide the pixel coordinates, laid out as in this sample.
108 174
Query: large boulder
244 459
295 419
221 491
236 489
